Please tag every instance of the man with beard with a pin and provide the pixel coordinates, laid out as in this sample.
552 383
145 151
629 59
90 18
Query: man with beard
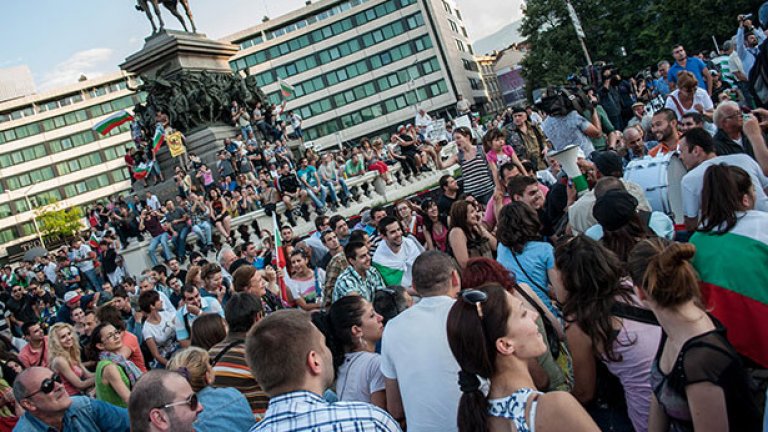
528 136
48 406
664 128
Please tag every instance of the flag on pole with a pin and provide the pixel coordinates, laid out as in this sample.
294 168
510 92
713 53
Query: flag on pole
279 261
105 126
94 240
285 88
157 140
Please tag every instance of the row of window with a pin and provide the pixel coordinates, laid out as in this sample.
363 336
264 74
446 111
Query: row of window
355 69
375 111
64 192
316 36
71 118
476 84
302 23
62 168
450 10
60 102
470 65
368 89
55 146
343 49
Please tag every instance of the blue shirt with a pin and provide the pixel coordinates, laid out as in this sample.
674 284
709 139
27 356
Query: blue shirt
661 87
309 175
305 411
566 130
84 415
224 409
349 281
209 305
692 65
536 259
748 55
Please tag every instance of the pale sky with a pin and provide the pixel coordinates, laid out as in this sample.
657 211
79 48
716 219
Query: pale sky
60 40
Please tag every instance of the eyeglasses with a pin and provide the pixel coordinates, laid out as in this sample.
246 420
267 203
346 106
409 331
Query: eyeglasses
191 402
47 386
475 297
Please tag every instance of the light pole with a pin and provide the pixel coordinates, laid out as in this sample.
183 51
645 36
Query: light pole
34 216
579 31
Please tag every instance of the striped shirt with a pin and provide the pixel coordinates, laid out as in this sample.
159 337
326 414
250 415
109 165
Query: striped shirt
305 411
350 281
231 370
477 177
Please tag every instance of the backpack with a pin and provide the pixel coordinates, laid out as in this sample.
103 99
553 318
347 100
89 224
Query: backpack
758 77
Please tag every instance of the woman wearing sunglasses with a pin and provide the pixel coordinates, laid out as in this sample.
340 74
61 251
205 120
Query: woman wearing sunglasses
494 335
226 409
115 376
352 328
64 359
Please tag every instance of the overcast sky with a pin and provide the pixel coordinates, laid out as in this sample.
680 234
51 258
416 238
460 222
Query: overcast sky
60 40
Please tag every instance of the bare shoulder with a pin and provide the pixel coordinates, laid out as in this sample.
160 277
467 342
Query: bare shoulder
558 408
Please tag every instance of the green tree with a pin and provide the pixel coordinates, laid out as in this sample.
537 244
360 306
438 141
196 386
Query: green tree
56 223
645 29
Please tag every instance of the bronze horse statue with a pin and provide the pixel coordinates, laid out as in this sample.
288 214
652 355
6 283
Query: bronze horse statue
171 5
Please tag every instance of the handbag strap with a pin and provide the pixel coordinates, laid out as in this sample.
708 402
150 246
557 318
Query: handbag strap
225 350
514 255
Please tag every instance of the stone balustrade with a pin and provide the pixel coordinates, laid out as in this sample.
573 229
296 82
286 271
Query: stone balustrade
372 190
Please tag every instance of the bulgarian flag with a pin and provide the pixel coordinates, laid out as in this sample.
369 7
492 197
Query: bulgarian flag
396 269
734 282
278 260
285 89
94 240
141 171
158 140
103 127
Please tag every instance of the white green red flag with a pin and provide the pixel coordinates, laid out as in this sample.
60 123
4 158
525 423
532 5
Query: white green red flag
105 126
278 260
158 140
734 277
94 240
141 171
286 89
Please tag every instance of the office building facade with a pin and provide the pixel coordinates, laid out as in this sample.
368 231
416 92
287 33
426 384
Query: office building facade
362 67
49 153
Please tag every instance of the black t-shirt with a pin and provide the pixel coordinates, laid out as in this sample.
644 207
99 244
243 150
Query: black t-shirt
288 183
444 204
21 309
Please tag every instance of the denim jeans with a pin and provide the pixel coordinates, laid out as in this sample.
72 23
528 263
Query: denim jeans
245 130
93 279
204 231
332 190
318 201
180 242
162 239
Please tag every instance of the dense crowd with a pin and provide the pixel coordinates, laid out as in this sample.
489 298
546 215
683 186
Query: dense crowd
504 300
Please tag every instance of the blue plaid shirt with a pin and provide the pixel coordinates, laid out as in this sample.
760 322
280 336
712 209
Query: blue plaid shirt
306 411
349 281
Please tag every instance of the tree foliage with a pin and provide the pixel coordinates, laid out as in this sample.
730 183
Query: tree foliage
56 223
646 29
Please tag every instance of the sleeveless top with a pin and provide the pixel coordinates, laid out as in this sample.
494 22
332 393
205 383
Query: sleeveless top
71 389
476 174
105 392
513 406
440 239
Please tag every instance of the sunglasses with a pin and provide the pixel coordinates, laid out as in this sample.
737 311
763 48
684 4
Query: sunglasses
191 402
47 386
475 297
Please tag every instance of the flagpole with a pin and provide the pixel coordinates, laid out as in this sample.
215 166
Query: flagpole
280 281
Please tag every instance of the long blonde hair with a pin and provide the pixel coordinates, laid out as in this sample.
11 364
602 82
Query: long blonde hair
192 362
72 355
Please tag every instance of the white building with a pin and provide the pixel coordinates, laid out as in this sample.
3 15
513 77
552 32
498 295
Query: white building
361 67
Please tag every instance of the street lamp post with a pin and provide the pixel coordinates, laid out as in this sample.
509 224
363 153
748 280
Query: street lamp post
34 216
579 30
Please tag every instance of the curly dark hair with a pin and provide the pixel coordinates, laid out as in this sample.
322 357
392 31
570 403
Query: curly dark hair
518 225
591 274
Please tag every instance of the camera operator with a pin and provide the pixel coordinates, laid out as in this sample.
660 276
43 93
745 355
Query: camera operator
564 128
615 95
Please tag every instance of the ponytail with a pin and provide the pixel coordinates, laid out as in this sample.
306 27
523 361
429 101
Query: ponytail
336 325
721 197
473 405
661 268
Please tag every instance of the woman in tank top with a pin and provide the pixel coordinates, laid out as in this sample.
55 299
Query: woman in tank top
477 173
493 335
64 359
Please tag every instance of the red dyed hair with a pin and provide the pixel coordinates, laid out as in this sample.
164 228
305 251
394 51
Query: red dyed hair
481 270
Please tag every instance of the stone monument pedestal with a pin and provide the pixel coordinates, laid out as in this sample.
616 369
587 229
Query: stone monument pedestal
172 51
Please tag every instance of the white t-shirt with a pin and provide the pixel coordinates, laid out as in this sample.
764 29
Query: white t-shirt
359 377
153 202
164 334
693 182
700 97
415 352
305 288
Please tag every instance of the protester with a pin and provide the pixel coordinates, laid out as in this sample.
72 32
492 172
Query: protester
468 237
435 227
493 335
115 376
159 329
208 330
478 174
394 256
163 401
304 282
64 359
296 375
225 409
360 277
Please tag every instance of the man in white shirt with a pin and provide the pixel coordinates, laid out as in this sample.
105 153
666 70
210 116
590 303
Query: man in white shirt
697 151
416 360
423 124
394 257
194 306
152 201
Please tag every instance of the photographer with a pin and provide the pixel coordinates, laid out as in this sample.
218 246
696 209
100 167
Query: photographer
565 126
150 222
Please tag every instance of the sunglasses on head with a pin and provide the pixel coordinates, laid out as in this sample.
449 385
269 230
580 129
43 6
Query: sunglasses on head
47 386
475 297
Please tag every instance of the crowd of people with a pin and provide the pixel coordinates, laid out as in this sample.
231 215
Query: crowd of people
504 300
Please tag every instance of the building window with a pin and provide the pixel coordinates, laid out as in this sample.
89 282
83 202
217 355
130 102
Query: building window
447 7
460 45
454 27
